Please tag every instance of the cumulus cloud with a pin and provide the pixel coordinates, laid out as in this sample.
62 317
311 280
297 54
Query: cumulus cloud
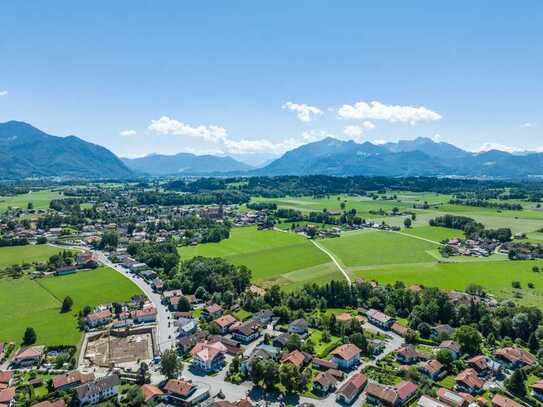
390 113
3 93
304 113
311 136
128 133
356 132
499 147
166 125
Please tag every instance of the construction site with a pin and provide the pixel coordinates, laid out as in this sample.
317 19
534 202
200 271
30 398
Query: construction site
118 348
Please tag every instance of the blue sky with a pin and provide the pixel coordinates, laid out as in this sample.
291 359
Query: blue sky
170 76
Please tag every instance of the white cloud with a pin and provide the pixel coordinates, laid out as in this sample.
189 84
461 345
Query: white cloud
3 93
165 125
356 132
437 138
260 146
527 125
315 135
304 112
499 147
390 113
128 133
379 142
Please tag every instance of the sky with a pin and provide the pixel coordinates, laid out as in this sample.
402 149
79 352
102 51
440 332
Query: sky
253 79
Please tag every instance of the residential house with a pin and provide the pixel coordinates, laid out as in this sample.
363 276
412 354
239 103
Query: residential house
397 395
344 318
7 396
502 401
186 326
406 390
151 393
263 353
281 340
323 364
379 319
324 383
433 369
180 392
401 330
7 379
98 318
232 346
146 315
452 398
426 401
70 380
407 355
98 390
224 323
86 259
28 356
443 330
452 347
212 311
515 358
537 390
186 343
51 403
246 332
376 346
480 363
295 357
346 356
208 357
468 381
298 327
350 390
263 317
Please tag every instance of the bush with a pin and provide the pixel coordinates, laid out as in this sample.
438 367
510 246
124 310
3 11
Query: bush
516 284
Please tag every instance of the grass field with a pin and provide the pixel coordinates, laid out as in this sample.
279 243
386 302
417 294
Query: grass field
36 303
26 254
436 234
496 277
272 256
40 200
369 248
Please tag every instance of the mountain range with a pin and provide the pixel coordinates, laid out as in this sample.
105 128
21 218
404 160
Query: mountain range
26 151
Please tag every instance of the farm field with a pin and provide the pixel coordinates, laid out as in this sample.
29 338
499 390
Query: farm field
36 303
272 256
40 200
495 277
370 248
436 234
26 254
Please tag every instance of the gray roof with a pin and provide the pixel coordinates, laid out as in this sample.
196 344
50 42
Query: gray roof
97 386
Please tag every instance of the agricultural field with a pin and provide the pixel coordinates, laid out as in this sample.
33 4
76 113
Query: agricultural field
435 234
26 254
40 200
495 277
273 256
36 303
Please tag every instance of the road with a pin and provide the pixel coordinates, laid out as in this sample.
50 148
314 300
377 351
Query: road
329 254
165 326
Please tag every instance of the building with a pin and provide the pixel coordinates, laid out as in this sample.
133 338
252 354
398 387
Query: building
380 319
208 357
441 331
186 326
147 314
515 358
246 332
346 356
468 381
433 369
324 382
224 323
179 391
407 355
7 379
7 396
392 396
502 401
298 327
51 403
263 317
72 379
98 390
480 364
350 390
151 393
295 358
212 311
451 398
323 364
426 401
452 347
537 390
29 356
98 318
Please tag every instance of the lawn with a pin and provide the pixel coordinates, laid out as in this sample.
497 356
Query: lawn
272 256
36 303
370 248
26 254
434 233
494 276
40 200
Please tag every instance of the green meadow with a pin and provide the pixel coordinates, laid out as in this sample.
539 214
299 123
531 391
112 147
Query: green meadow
26 254
40 199
273 256
36 303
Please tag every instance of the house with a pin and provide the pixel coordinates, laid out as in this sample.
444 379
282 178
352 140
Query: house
440 331
377 346
324 382
397 395
405 390
379 319
407 355
72 379
281 340
7 396
350 390
344 318
514 358
298 326
502 401
186 326
208 357
65 270
186 343
224 323
346 356
7 379
179 391
98 318
98 390
246 332
51 403
263 317
426 401
212 311
433 369
262 352
295 357
401 330
480 364
468 381
537 390
451 398
232 346
452 347
151 393
86 259
29 356
145 315
323 364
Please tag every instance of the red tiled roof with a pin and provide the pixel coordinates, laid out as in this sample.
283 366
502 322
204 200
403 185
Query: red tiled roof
95 316
347 351
405 389
470 378
54 403
478 362
344 317
514 355
225 320
149 391
353 385
6 376
537 385
72 377
432 366
179 387
325 379
381 392
502 401
29 353
7 395
207 351
295 357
